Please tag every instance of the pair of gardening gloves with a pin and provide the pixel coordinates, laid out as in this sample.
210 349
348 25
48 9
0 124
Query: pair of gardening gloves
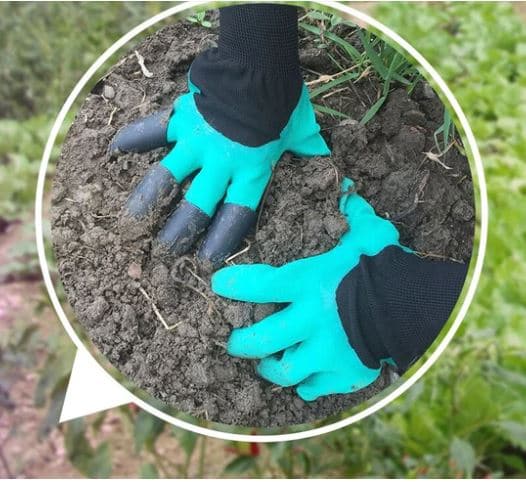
304 344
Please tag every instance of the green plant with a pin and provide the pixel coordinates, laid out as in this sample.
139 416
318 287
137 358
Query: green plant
200 19
390 66
354 62
447 130
46 47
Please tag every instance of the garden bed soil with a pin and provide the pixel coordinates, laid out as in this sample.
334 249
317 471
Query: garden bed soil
110 270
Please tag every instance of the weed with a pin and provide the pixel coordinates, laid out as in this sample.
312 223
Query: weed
374 56
200 19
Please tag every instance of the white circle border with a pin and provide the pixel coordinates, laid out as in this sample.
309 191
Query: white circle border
395 393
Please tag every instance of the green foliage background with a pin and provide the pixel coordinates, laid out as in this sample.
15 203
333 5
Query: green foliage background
468 415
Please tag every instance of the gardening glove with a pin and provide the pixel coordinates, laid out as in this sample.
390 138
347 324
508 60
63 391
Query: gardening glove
317 354
246 106
366 302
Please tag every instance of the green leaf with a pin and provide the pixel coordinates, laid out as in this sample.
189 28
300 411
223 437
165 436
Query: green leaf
240 465
55 373
463 456
516 462
50 420
146 430
91 462
346 46
373 110
187 440
100 463
327 110
333 83
513 432
148 471
373 56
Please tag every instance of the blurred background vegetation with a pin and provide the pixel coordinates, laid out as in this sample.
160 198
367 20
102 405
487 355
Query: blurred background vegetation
467 417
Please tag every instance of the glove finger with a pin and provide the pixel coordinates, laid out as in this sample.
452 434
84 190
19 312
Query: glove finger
248 186
274 333
322 384
143 134
207 189
230 225
352 205
181 161
258 283
156 184
183 228
235 218
296 364
348 380
374 231
194 214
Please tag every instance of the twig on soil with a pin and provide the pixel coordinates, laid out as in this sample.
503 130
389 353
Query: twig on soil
144 70
220 344
197 277
156 311
324 78
436 158
337 91
364 74
79 256
110 120
239 253
461 180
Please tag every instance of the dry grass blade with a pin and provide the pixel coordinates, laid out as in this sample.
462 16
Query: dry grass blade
143 67
156 310
436 158
324 78
239 253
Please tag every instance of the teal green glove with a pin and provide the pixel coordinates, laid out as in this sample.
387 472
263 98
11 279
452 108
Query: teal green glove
240 171
317 355
229 172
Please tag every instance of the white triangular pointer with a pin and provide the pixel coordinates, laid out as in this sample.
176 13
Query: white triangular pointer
91 389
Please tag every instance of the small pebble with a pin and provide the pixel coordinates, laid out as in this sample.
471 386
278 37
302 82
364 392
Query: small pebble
428 92
108 92
134 270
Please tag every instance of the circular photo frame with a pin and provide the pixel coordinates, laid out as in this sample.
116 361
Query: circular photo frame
367 408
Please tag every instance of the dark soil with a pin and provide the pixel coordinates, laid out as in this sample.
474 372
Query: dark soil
103 265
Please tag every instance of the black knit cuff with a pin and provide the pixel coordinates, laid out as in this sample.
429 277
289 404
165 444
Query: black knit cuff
250 84
261 36
394 304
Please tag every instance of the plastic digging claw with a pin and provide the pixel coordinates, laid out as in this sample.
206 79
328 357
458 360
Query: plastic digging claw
231 177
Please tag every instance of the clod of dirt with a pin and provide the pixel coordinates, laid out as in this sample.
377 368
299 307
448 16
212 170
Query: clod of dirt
107 265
